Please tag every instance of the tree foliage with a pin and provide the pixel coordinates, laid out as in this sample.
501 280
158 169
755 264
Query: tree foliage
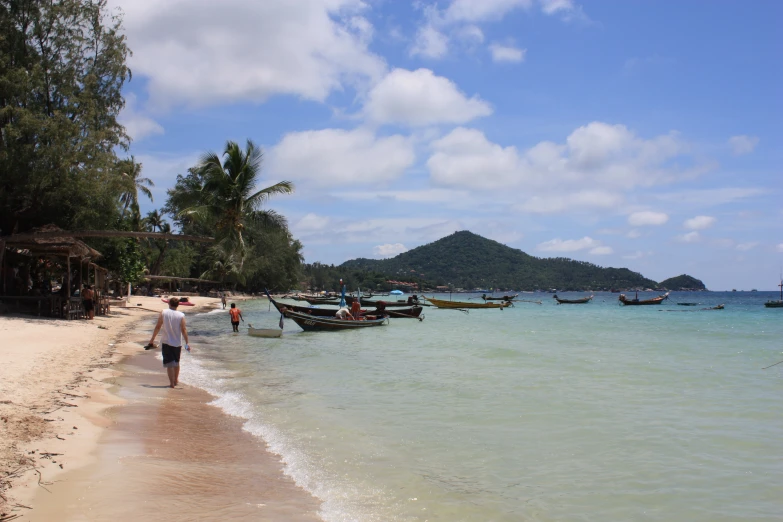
62 68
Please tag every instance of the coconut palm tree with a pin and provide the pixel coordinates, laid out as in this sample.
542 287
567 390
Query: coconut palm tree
154 221
131 172
229 199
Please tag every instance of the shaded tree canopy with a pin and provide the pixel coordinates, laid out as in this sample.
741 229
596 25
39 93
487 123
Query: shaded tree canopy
62 68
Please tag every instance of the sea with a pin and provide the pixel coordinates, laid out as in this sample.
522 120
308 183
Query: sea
540 412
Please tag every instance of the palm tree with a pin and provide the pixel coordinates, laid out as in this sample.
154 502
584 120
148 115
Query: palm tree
153 221
131 172
229 199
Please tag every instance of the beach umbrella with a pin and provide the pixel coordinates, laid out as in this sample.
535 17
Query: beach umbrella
396 292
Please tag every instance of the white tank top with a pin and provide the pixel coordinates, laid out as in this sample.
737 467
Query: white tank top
171 332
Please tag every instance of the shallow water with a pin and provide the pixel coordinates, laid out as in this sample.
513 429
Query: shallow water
537 412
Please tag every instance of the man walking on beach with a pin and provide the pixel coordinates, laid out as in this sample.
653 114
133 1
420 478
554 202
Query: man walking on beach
173 324
223 300
236 315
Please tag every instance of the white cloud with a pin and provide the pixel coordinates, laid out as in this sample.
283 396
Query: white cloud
744 247
482 10
602 251
338 157
554 6
389 250
699 222
569 245
162 170
780 247
199 53
311 223
430 43
507 53
633 234
636 255
471 34
419 98
690 237
647 218
137 125
587 199
743 144
595 156
710 197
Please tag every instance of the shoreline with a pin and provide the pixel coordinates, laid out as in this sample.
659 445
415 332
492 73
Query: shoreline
77 426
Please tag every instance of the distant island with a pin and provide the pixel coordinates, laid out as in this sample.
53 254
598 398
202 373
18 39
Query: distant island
682 282
467 261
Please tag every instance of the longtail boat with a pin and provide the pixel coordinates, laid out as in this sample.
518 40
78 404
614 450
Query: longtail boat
442 303
310 323
776 304
654 301
583 300
504 298
412 311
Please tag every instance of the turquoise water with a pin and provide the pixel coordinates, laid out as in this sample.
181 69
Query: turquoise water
540 412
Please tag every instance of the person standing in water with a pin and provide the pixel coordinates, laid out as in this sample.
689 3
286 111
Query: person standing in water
236 315
172 323
223 300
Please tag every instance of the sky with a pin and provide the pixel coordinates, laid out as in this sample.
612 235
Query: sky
639 134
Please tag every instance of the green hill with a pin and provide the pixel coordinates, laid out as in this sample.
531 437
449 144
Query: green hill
466 260
682 282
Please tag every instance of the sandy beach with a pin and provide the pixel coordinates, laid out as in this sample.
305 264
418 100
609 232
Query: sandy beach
86 417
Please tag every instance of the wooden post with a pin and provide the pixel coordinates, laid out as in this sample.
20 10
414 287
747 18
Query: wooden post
68 278
2 262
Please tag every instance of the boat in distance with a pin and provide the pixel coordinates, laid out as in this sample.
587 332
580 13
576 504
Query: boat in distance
653 301
311 323
583 300
442 303
779 303
485 297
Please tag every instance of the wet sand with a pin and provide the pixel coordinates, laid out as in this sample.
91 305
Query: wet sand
169 455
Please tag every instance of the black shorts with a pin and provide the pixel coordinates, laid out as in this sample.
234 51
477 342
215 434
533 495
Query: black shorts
235 323
88 305
171 355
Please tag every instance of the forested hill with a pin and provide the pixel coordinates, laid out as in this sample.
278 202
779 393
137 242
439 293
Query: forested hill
466 260
682 282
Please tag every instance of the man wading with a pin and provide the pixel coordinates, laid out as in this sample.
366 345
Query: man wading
173 324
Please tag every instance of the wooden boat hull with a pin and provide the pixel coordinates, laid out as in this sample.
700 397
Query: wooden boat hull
413 311
186 303
635 302
504 298
583 300
774 304
310 323
442 303
264 332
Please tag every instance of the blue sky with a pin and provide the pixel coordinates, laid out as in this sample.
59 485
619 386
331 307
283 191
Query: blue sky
625 133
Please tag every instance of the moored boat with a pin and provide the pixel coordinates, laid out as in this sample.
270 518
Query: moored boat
636 301
485 297
310 323
183 301
409 312
779 303
442 303
264 332
583 300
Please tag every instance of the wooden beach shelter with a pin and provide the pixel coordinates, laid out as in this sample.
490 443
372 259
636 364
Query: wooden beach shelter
50 242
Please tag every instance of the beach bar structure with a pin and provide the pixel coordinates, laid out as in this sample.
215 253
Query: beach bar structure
50 244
